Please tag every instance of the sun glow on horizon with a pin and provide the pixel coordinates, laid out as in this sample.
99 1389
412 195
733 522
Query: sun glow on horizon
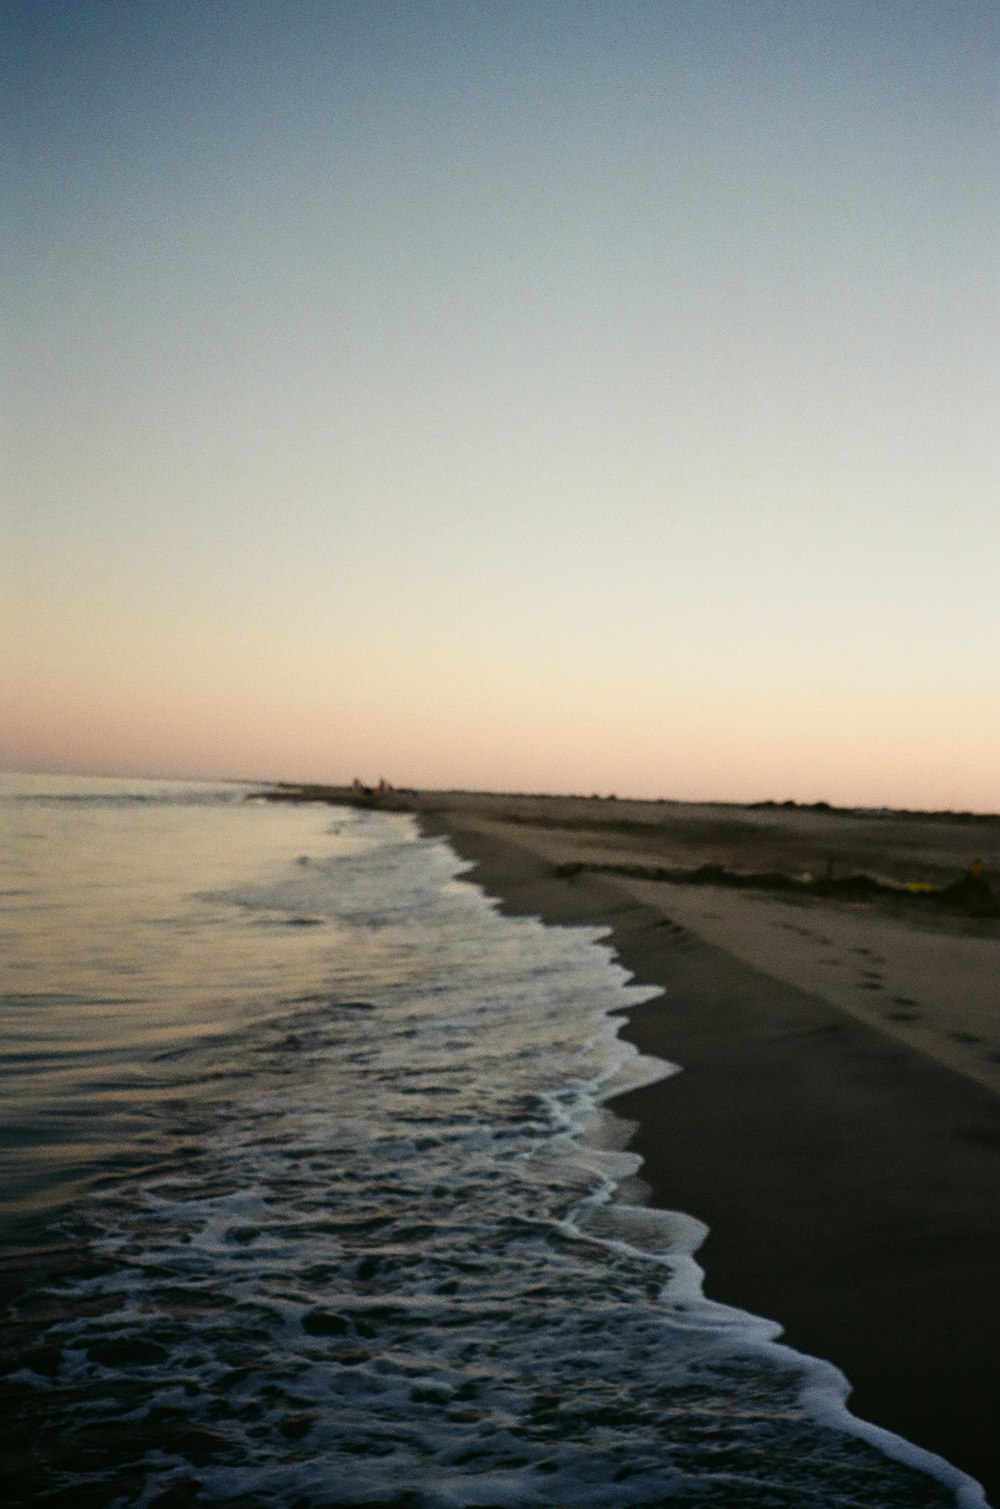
572 400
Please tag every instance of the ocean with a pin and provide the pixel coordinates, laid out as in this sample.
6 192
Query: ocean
311 1195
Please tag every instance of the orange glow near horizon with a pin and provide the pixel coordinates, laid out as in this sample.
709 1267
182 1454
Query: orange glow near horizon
722 756
622 423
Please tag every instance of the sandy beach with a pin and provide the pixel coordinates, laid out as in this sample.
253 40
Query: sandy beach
837 1121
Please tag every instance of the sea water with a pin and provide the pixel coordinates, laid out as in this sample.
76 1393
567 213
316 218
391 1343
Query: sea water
310 1196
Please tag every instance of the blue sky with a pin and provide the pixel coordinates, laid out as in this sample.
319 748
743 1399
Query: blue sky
546 396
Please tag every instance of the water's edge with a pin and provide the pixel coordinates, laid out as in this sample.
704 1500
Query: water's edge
357 1219
522 886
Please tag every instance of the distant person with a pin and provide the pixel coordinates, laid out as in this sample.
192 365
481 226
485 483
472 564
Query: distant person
973 893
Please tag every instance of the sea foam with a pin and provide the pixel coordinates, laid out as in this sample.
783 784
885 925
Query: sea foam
387 1246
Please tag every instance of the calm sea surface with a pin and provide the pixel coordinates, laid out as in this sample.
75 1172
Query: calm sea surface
309 1199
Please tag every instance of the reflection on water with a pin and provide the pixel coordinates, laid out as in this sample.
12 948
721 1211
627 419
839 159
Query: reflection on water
112 960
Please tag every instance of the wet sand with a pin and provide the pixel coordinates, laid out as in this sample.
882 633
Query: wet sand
837 1120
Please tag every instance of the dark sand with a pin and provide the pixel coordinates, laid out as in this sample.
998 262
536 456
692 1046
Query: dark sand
848 1179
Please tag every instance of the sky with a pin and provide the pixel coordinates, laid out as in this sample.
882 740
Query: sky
505 394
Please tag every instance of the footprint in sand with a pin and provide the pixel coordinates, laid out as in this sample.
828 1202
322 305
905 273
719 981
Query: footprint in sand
679 933
866 953
871 980
964 1037
902 1014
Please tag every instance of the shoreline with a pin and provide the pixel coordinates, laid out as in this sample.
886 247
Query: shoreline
844 1162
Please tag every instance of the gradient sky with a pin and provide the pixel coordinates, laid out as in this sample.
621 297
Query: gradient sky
552 396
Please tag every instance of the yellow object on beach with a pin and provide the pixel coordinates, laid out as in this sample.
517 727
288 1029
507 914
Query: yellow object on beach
920 887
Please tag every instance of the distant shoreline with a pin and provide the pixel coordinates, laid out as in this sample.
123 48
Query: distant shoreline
837 874
401 797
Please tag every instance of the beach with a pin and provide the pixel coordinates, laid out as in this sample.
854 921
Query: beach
836 1122
336 1171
